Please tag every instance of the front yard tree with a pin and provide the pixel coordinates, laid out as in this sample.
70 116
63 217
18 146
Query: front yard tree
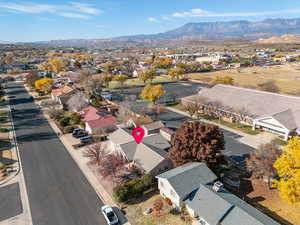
260 162
92 87
152 93
192 108
175 73
196 141
111 164
96 153
287 167
44 85
77 102
121 79
147 75
106 79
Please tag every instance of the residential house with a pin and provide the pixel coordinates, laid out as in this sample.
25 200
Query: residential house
97 121
193 186
150 155
273 112
62 95
152 128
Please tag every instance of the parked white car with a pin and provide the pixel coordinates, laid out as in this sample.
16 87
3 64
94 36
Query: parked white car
109 215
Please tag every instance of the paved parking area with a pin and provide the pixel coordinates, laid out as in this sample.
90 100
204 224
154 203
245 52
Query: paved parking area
10 201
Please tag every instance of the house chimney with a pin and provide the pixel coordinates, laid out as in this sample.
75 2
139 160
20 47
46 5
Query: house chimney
217 186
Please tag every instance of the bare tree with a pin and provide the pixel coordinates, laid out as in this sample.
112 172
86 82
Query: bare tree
124 113
269 86
96 153
77 102
111 164
260 162
157 109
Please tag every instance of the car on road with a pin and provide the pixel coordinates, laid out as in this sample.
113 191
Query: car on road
80 134
86 139
109 215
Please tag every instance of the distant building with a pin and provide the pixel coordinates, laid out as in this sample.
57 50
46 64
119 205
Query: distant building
275 113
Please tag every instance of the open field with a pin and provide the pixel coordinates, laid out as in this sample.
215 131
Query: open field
287 77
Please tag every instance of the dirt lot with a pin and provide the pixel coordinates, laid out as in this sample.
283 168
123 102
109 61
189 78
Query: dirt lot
287 77
270 202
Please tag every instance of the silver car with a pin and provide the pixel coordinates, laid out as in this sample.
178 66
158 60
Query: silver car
109 215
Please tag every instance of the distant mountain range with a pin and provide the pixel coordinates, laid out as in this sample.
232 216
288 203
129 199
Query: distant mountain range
287 38
232 30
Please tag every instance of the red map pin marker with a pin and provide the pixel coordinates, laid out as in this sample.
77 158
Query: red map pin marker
138 134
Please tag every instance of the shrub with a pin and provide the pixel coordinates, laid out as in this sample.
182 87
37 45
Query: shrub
68 129
133 188
75 118
3 130
168 201
64 121
55 114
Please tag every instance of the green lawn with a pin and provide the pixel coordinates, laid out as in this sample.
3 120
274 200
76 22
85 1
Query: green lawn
238 126
137 82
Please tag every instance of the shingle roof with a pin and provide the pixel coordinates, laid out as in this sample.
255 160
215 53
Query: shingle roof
60 91
120 136
258 103
208 205
228 209
186 178
153 126
286 118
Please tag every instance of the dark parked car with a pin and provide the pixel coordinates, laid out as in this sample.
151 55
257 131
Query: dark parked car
80 133
86 139
76 130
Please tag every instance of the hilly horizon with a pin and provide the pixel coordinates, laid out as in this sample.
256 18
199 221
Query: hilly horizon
210 31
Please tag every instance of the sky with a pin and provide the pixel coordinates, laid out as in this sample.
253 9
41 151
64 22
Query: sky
42 20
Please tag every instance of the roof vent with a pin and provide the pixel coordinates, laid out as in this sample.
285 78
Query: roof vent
217 186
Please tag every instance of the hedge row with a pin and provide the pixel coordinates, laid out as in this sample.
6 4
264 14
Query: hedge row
133 188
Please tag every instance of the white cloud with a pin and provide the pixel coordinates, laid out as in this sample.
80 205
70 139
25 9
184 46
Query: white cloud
85 8
74 15
152 20
73 10
204 13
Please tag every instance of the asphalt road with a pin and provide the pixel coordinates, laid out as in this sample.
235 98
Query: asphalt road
58 192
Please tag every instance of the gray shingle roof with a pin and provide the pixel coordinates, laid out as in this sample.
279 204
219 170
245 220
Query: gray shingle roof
228 209
157 141
153 126
188 177
286 118
120 136
149 153
258 103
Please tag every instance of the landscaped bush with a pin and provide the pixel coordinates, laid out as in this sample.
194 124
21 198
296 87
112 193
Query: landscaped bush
133 188
55 114
68 129
3 130
74 118
168 201
64 121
